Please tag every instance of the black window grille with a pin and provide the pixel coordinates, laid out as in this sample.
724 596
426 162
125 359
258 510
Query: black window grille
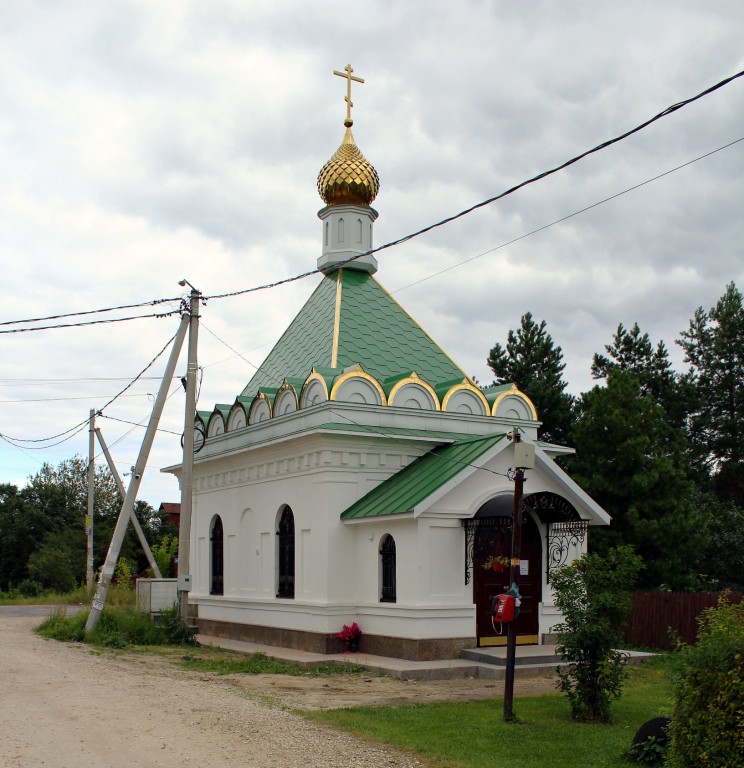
286 554
387 557
216 539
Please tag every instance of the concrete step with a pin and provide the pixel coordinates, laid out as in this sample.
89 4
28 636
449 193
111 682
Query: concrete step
540 655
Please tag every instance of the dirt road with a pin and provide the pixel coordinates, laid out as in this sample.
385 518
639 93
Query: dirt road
68 706
62 706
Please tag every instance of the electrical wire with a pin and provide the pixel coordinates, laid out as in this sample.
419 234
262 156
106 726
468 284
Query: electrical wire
568 216
138 424
416 446
598 148
222 341
91 322
60 399
13 440
152 302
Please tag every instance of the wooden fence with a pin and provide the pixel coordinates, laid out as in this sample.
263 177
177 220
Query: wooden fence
659 618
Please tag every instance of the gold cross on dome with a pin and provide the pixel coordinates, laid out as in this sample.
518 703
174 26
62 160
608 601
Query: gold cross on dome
349 77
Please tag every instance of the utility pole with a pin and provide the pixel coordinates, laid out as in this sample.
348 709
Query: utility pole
123 493
524 458
187 472
91 499
107 572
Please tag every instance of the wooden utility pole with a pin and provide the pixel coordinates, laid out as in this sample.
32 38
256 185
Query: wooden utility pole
91 500
187 472
524 458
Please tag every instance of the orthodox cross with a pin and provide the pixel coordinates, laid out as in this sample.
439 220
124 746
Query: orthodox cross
349 77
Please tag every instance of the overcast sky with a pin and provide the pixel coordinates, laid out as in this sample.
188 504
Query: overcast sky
145 142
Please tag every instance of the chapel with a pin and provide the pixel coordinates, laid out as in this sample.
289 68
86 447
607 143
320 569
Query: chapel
362 476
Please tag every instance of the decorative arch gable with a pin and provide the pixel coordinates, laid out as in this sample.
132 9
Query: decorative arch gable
357 386
465 398
260 409
413 392
514 404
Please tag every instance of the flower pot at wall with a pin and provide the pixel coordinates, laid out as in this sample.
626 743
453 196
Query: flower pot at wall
353 646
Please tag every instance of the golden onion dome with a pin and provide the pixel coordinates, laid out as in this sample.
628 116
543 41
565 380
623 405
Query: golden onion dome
348 178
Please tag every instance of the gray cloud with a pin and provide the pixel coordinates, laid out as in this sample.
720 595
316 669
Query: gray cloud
144 142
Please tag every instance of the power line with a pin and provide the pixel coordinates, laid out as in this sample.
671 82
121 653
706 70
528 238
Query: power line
13 440
664 113
59 399
152 302
568 216
92 322
138 424
87 380
222 341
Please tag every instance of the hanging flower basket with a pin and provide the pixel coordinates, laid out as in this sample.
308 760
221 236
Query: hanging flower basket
496 563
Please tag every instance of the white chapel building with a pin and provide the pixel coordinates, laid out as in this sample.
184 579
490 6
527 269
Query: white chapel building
362 476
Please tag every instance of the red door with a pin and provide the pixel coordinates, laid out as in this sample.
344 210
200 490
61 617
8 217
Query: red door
496 543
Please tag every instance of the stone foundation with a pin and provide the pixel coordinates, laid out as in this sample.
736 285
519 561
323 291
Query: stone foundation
316 642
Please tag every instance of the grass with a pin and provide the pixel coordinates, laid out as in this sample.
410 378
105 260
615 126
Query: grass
473 734
229 663
117 627
125 627
117 595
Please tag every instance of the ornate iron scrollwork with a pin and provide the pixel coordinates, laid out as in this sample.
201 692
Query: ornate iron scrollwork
562 536
497 526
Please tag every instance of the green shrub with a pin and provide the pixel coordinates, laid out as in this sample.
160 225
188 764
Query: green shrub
121 627
165 554
593 594
707 729
30 588
175 630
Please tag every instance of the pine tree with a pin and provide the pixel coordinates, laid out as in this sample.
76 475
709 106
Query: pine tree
714 347
532 362
633 351
635 466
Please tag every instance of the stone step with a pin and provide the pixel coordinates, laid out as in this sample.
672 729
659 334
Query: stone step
538 655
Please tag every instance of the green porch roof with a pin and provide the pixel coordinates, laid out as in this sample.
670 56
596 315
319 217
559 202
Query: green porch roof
414 483
362 324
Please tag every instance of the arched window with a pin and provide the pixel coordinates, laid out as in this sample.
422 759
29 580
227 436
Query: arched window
216 539
387 566
286 547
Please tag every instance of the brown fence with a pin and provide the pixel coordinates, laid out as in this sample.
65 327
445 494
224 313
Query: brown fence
658 618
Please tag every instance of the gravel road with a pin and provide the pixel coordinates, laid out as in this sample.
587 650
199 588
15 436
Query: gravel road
63 706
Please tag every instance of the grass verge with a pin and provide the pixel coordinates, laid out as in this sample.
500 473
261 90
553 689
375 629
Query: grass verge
473 734
229 663
118 627
117 595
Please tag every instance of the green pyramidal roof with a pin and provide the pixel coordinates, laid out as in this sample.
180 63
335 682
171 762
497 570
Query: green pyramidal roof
351 319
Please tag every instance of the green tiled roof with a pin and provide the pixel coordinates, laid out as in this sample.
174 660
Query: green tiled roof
414 483
378 333
307 342
374 331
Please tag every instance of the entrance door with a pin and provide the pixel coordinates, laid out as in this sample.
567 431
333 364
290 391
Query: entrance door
496 542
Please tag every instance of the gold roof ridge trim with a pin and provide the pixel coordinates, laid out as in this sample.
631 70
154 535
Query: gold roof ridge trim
337 318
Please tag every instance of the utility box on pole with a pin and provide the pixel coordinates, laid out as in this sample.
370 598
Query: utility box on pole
524 455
